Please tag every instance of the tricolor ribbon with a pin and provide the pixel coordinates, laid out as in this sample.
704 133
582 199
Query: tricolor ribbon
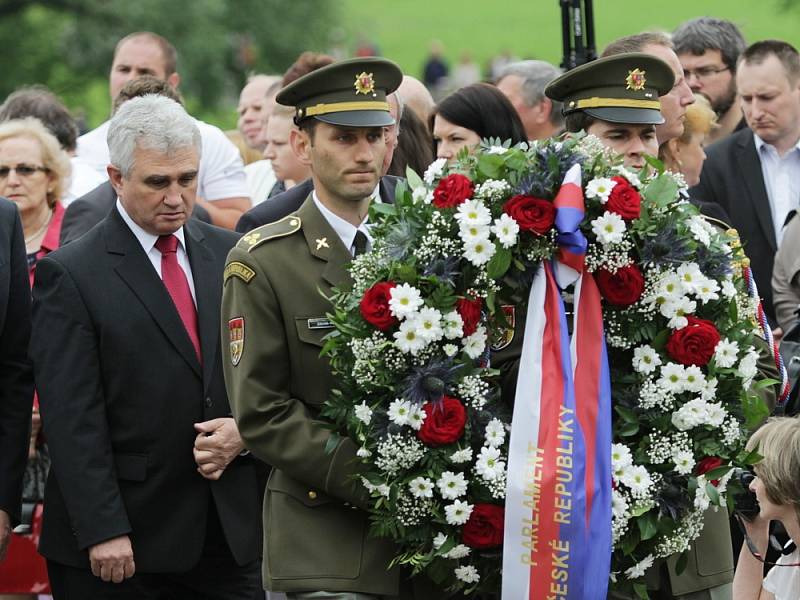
557 541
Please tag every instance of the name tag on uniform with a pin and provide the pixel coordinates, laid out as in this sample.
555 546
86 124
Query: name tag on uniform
320 323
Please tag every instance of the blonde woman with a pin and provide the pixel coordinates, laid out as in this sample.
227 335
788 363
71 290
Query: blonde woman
686 154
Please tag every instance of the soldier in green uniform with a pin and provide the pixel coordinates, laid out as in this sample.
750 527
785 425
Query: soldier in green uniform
616 99
274 307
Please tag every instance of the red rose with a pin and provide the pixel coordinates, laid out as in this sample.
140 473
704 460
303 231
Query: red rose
622 288
470 311
624 200
452 191
444 421
531 214
375 305
484 529
695 343
709 463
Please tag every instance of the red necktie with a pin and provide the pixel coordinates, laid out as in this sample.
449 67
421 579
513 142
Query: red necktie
178 287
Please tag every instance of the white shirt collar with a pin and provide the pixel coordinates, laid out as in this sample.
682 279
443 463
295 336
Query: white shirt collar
148 240
762 144
346 231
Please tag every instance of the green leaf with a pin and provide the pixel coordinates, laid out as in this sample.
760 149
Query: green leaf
499 263
717 473
628 429
713 493
662 190
647 526
626 413
641 588
655 163
383 208
682 562
414 180
489 165
660 341
332 443
765 383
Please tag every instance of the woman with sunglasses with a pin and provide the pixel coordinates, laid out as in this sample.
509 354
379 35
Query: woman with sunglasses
33 172
777 488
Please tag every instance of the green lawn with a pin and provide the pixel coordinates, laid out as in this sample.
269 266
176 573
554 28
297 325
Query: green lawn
403 29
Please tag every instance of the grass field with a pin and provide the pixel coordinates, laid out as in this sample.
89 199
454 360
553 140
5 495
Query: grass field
403 29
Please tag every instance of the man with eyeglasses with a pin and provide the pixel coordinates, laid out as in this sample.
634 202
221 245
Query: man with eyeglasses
708 49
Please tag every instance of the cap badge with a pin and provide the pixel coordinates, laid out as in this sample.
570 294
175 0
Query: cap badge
365 83
635 80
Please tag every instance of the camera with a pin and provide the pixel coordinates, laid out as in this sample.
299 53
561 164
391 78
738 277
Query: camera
744 500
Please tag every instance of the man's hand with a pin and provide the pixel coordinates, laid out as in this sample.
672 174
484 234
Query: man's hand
5 533
218 442
112 560
36 428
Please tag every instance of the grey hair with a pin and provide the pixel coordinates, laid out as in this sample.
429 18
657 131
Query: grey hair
152 122
535 75
707 33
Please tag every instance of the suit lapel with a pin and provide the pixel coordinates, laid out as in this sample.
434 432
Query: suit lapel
386 188
749 165
325 244
208 291
136 270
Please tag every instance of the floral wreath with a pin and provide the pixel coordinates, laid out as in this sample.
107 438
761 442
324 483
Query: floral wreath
419 393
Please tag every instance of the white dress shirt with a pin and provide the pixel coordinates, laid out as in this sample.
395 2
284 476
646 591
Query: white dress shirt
347 231
782 180
148 243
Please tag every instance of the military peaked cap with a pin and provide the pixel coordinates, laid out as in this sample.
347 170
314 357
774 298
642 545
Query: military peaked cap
351 93
623 88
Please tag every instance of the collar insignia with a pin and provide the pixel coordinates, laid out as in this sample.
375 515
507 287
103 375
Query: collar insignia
364 84
635 80
322 243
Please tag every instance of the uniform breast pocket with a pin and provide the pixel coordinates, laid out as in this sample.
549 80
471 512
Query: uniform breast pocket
315 373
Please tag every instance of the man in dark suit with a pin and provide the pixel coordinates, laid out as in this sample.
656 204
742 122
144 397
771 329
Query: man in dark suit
16 374
754 174
289 201
149 495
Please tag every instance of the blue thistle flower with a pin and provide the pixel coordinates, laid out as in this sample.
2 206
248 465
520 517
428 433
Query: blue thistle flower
430 382
400 240
713 263
665 248
550 161
444 269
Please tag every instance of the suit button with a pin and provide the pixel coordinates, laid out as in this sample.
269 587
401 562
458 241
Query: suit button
209 403
312 495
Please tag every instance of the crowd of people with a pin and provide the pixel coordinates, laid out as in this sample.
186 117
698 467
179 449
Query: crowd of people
168 380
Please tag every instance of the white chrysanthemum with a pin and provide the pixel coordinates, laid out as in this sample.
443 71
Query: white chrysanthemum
621 456
726 353
619 505
506 229
461 456
422 194
363 453
479 251
748 367
475 344
716 414
692 414
728 289
399 412
609 228
701 230
495 433
676 311
709 393
489 465
600 188
458 512
470 233
459 551
694 379
408 339
416 417
453 325
690 275
452 485
450 350
684 461
429 321
707 290
638 570
467 574
434 170
496 150
404 300
630 175
672 377
363 413
473 212
645 359
637 479
670 288
421 487
439 540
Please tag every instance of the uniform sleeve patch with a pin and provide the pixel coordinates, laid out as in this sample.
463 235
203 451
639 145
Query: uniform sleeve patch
236 338
240 270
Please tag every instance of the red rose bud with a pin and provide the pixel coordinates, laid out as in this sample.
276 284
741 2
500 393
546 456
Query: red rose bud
622 288
624 200
484 529
531 214
374 306
709 463
452 191
444 422
694 344
470 311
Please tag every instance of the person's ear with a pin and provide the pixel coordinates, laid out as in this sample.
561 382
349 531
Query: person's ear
115 176
301 145
543 110
174 81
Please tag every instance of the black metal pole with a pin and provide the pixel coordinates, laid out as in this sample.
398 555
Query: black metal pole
566 35
588 14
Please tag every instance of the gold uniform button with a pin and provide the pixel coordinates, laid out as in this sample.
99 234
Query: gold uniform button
312 495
